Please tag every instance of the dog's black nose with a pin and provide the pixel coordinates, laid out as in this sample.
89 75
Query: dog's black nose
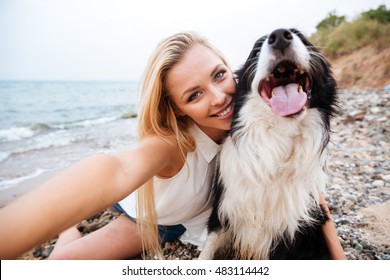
280 39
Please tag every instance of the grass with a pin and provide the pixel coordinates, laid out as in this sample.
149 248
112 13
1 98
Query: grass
350 36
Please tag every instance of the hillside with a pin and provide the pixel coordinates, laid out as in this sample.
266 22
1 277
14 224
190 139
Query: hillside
366 67
359 50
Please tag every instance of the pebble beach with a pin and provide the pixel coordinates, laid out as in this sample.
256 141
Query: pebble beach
358 192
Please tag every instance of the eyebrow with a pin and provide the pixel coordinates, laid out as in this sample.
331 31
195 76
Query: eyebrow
191 89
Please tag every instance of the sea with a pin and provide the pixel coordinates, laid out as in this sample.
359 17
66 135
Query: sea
48 125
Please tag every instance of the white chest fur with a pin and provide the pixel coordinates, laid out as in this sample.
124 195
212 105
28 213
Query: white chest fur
273 175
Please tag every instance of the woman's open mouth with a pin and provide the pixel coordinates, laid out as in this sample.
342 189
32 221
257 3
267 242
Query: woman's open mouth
225 113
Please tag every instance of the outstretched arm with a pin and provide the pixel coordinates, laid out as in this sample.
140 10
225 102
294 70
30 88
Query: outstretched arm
80 191
335 249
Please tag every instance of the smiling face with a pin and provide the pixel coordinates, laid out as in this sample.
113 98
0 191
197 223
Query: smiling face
202 87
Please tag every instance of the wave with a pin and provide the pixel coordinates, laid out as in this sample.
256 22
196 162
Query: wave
27 132
47 141
85 123
22 132
16 133
4 156
8 183
38 138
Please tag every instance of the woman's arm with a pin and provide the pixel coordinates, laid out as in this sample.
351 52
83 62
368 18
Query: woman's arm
80 191
332 241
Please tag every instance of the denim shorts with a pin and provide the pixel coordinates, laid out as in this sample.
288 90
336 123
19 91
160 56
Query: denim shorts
165 233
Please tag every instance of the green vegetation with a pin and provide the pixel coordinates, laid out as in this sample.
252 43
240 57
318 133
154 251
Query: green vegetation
336 36
129 115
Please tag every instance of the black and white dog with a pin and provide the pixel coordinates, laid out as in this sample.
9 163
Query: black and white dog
271 169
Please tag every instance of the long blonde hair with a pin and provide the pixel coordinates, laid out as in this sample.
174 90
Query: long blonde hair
157 117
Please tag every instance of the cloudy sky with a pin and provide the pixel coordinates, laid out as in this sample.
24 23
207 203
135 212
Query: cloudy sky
112 39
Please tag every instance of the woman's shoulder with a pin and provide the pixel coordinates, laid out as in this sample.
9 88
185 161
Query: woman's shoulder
168 148
159 142
150 147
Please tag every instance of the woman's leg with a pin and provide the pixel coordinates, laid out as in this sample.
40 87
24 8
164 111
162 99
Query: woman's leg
67 236
117 240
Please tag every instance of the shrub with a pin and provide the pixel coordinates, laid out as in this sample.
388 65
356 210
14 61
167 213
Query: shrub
336 37
381 14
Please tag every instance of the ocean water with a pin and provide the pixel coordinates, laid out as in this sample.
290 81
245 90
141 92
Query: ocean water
49 125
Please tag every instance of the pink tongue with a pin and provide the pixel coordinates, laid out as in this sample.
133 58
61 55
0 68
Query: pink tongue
286 100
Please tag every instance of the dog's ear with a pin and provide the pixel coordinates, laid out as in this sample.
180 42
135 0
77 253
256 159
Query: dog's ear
247 72
254 54
301 36
305 41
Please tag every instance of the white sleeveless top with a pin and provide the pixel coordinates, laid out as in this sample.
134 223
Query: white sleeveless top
185 198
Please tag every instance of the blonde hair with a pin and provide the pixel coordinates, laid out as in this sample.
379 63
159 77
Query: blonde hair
157 117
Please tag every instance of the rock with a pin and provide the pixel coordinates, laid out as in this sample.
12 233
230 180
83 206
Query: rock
375 110
358 247
378 184
386 178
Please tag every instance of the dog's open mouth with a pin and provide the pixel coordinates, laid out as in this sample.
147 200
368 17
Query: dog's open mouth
285 89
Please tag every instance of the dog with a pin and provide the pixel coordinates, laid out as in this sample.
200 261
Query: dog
271 168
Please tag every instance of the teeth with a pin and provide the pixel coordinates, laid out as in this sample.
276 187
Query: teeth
225 112
300 89
281 69
269 76
301 71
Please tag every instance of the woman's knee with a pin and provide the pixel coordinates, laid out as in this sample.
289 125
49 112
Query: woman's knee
117 240
60 254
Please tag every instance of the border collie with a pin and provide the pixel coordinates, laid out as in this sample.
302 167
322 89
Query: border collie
271 168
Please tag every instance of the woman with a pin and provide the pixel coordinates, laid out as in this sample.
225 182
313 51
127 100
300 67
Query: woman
185 113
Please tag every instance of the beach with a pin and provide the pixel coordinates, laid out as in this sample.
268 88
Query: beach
358 192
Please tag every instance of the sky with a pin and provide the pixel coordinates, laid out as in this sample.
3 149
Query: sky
112 40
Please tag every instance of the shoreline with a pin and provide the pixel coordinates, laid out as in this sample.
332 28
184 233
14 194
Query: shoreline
9 194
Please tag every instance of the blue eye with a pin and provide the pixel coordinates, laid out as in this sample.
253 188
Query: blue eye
194 96
219 75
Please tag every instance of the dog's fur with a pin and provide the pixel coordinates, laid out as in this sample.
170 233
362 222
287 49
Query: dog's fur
271 169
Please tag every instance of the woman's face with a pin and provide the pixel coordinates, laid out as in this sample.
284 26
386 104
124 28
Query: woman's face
202 88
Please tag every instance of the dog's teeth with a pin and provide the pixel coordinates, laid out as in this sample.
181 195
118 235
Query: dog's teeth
301 71
300 89
281 69
308 93
267 78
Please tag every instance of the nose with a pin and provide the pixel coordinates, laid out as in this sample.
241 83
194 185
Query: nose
218 96
280 39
